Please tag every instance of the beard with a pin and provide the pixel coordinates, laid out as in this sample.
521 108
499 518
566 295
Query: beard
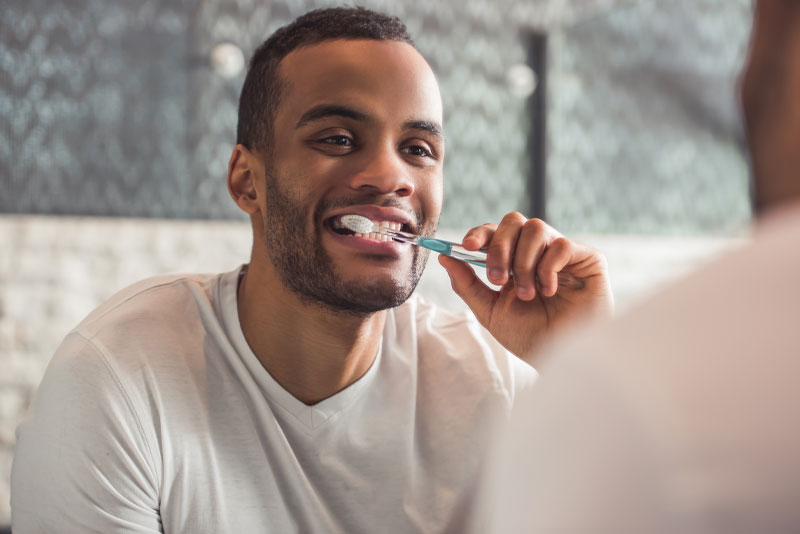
307 270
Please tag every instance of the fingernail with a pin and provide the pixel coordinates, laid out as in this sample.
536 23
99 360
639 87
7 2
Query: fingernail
525 292
495 274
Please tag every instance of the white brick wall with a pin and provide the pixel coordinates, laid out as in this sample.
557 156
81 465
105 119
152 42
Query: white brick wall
54 270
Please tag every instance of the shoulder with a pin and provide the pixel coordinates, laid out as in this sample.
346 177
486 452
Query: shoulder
129 331
457 345
431 324
146 340
160 329
152 298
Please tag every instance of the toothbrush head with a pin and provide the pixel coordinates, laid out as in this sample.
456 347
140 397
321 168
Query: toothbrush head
357 223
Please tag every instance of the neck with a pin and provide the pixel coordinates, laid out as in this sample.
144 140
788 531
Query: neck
311 351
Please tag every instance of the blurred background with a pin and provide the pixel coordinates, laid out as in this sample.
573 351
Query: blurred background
616 121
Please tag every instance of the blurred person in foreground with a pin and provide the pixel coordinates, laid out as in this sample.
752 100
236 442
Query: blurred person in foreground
682 416
305 392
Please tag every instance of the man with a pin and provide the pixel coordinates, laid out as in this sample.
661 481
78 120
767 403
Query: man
682 415
305 392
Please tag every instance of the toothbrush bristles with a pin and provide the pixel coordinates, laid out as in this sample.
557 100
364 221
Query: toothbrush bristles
357 223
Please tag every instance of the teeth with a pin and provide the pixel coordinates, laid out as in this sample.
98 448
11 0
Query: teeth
377 236
390 225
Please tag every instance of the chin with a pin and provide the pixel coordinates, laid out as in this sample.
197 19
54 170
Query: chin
371 294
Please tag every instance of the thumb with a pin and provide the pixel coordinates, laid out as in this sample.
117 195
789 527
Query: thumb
477 295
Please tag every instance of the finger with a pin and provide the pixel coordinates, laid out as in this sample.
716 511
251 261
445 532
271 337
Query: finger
502 247
559 253
469 287
479 236
532 243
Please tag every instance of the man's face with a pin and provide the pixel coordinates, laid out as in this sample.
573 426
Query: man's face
358 132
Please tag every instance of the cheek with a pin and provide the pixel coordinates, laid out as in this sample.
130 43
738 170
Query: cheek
296 180
434 199
311 175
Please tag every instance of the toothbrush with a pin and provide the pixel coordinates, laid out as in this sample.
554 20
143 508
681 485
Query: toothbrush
362 225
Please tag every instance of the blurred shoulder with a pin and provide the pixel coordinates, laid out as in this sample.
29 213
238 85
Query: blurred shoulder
152 301
455 343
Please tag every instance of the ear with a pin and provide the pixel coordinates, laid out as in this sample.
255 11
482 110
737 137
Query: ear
244 169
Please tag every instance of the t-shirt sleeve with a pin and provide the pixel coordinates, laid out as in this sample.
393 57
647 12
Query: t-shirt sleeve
83 463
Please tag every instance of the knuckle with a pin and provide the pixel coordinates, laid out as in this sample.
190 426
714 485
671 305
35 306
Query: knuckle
536 225
514 217
560 244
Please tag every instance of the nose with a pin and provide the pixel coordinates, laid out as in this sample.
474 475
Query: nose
384 172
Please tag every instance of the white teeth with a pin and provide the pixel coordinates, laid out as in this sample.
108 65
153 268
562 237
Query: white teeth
378 236
390 225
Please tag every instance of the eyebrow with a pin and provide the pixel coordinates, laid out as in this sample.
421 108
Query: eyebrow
331 110
428 126
326 110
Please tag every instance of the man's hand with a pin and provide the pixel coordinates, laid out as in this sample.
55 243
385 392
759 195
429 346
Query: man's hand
526 257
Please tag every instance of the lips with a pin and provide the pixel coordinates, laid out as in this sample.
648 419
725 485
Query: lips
391 218
371 243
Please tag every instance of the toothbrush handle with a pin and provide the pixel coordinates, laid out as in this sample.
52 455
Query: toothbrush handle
478 257
454 250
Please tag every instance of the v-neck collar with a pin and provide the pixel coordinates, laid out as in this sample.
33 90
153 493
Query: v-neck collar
309 417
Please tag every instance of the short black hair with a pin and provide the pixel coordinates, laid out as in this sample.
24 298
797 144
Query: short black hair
262 90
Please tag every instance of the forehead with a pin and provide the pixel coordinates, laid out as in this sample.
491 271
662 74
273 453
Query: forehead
386 78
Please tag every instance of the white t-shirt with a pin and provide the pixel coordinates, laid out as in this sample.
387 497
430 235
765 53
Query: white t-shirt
682 416
155 415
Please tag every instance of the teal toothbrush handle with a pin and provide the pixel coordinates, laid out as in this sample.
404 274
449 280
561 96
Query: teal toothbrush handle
454 250
478 257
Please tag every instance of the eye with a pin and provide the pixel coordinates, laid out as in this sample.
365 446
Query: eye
418 150
333 144
339 140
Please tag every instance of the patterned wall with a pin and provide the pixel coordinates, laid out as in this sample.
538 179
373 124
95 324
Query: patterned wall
94 106
644 130
110 107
